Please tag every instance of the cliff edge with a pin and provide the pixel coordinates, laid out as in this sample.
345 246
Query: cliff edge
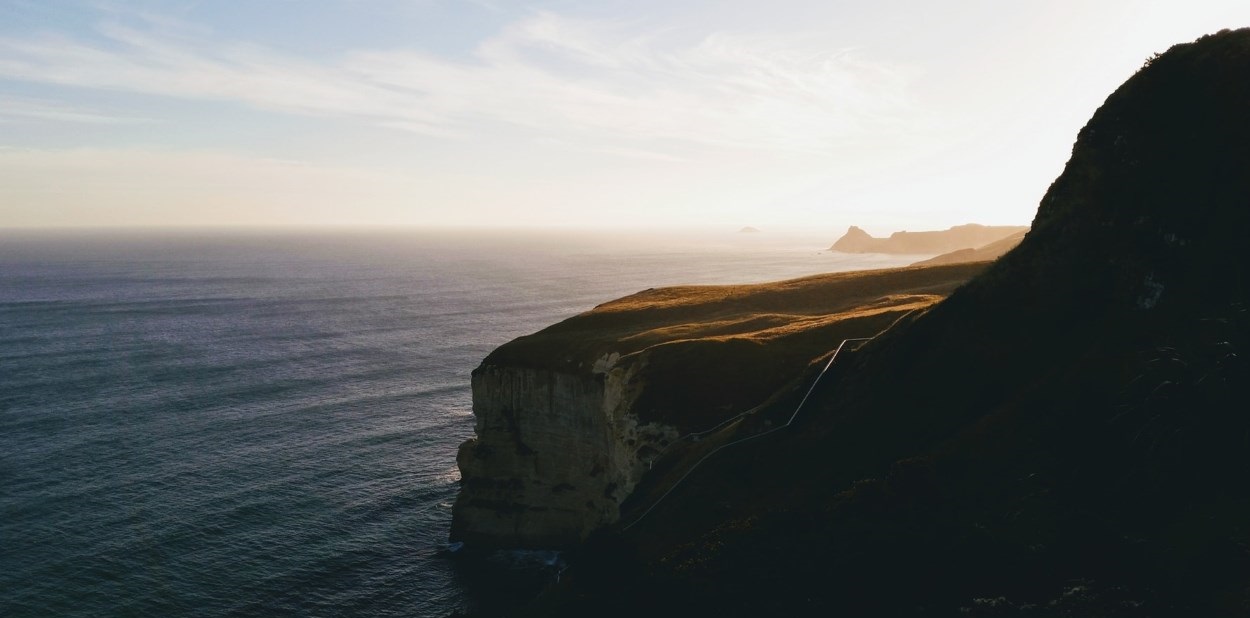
571 418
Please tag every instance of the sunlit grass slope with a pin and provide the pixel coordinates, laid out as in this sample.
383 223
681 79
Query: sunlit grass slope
711 351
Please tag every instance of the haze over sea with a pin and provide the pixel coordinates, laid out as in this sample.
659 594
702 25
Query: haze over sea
260 423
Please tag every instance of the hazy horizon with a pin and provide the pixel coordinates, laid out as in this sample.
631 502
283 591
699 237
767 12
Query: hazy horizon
442 114
757 231
610 237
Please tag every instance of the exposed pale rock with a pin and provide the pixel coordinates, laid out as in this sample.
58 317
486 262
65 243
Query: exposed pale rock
556 455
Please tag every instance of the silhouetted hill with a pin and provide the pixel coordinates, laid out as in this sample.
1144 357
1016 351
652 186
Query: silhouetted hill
984 253
968 236
1066 435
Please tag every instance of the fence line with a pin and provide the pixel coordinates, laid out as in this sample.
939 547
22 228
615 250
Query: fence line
718 449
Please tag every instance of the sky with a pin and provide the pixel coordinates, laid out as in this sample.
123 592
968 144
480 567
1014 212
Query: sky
891 114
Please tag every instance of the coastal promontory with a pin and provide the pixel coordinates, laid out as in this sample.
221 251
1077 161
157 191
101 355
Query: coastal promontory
984 253
1065 434
570 419
970 236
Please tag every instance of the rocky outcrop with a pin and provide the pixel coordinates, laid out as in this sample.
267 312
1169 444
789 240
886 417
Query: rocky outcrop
968 236
570 419
556 454
855 240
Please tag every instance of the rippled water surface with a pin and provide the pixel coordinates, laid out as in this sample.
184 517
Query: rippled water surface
265 424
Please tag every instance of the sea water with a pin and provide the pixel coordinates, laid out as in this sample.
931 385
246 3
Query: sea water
265 423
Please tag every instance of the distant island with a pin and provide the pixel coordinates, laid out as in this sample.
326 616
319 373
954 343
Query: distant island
970 236
749 230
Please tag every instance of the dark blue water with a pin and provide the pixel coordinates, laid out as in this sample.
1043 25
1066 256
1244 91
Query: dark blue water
265 424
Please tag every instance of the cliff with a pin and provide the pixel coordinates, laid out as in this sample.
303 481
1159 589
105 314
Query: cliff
1065 435
571 418
968 236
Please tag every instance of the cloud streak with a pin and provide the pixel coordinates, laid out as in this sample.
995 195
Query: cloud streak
600 86
14 109
111 187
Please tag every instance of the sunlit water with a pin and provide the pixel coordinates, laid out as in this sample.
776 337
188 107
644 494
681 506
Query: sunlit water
265 424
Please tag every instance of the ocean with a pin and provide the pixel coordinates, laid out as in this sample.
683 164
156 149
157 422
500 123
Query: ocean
265 423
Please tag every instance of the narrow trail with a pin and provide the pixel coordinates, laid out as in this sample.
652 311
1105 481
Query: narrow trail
699 434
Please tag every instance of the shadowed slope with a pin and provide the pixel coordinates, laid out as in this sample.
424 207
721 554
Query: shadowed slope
1066 432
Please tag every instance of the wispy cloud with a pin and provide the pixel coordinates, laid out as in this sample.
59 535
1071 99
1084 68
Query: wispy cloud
28 109
602 86
93 186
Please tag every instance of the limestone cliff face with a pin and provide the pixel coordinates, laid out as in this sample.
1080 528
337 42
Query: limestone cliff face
556 454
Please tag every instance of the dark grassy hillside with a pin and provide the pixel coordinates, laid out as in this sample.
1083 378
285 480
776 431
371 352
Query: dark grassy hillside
1066 435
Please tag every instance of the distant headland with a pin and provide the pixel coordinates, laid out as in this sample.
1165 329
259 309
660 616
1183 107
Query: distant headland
970 236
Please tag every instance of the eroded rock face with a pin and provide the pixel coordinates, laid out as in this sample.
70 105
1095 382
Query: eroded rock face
556 454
